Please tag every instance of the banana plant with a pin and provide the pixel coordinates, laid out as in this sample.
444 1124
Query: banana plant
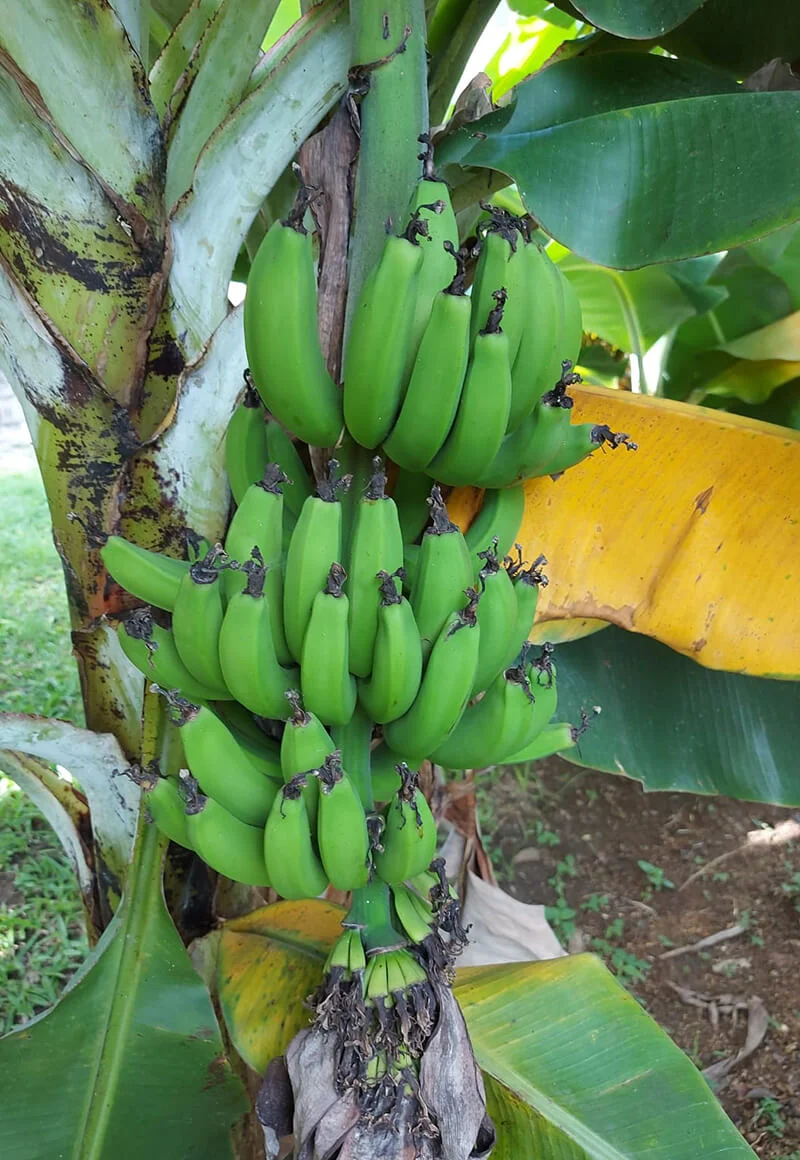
148 148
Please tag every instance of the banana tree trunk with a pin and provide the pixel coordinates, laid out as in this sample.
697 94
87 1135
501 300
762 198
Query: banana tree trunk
115 329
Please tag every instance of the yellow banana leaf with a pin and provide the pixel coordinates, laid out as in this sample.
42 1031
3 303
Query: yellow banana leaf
268 963
693 540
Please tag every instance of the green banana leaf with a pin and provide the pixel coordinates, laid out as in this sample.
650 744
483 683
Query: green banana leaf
568 139
129 1062
233 45
739 36
524 50
782 407
745 345
637 19
576 1070
693 274
453 33
630 309
674 725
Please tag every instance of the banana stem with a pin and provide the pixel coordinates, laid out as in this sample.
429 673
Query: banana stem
354 740
390 69
371 911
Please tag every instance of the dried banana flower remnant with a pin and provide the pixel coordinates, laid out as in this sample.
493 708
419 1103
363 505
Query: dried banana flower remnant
429 1108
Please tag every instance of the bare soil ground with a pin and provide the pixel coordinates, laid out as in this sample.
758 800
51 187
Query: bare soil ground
577 840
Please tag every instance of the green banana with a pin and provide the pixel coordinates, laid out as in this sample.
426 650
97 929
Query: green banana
220 764
445 688
346 957
497 618
294 868
305 745
247 652
553 739
377 348
167 807
410 494
152 650
491 275
581 440
383 772
282 450
572 328
526 452
532 371
490 727
316 542
527 579
409 835
149 576
436 381
281 335
542 676
414 914
197 619
376 545
341 827
431 204
397 661
328 688
442 573
246 442
500 517
259 523
482 415
226 843
264 754
237 718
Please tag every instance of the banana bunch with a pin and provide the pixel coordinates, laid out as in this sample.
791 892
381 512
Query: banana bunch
467 388
334 609
275 638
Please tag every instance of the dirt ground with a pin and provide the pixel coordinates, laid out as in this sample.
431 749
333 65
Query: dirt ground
576 840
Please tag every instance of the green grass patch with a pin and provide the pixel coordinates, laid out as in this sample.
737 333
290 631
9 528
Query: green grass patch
42 939
37 670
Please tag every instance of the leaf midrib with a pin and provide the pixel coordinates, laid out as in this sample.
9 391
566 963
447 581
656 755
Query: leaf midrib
143 892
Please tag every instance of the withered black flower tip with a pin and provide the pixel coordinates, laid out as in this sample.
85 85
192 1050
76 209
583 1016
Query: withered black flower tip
375 828
330 772
302 200
602 435
251 397
495 318
441 524
376 486
293 789
299 715
273 479
458 286
139 625
388 589
417 228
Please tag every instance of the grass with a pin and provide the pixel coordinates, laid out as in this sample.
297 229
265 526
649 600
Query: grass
42 939
37 672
